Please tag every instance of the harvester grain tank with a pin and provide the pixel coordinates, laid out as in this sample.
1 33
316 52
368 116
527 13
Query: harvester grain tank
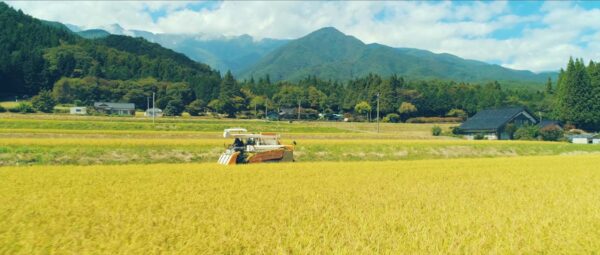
254 148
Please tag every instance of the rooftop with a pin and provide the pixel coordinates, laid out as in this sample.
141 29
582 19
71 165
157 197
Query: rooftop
492 119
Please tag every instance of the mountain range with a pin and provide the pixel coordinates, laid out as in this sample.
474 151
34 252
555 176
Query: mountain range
326 53
34 54
329 53
233 54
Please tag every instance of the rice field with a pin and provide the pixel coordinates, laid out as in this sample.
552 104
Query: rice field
106 185
493 205
42 150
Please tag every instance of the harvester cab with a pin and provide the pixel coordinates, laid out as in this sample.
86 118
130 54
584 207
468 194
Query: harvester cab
254 148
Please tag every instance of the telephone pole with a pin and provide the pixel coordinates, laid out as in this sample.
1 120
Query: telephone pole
153 108
377 112
299 109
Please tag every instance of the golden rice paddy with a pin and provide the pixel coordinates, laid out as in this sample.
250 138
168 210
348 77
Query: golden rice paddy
542 204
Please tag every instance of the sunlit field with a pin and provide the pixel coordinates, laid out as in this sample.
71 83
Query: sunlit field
501 205
71 184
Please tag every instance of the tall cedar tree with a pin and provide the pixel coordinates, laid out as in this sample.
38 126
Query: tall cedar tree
549 89
574 96
227 94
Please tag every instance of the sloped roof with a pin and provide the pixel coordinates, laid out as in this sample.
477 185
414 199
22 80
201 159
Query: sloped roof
545 123
123 106
492 119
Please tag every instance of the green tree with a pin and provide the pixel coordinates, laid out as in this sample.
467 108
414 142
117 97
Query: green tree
391 117
316 98
215 105
44 101
196 107
388 94
227 95
406 110
551 133
257 102
436 130
527 133
174 108
457 113
363 107
575 96
549 89
24 107
288 96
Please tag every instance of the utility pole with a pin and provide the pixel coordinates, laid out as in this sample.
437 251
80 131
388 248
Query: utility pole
266 111
541 118
153 108
299 109
377 112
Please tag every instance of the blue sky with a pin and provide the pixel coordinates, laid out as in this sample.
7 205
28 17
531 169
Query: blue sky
531 35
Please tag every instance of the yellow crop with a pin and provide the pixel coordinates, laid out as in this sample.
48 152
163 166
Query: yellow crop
219 141
520 205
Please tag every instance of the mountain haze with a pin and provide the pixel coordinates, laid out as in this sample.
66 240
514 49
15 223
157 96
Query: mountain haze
233 53
330 54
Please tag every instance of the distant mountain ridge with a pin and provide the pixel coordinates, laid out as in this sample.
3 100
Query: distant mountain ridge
37 53
222 53
330 54
326 53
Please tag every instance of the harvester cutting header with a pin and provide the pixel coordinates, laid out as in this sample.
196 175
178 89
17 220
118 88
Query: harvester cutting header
254 148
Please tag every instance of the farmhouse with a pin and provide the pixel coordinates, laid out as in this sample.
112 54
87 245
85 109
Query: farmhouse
115 108
492 123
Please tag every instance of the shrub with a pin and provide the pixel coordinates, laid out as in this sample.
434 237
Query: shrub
527 133
2 109
43 102
479 137
457 113
61 111
174 108
456 130
392 117
436 130
23 107
434 120
309 113
551 133
196 107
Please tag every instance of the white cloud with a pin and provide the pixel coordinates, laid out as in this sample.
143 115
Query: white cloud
558 30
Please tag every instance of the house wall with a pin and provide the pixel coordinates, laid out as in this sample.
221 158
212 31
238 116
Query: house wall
78 110
522 119
581 140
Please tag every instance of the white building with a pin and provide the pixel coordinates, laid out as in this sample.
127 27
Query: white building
78 110
150 111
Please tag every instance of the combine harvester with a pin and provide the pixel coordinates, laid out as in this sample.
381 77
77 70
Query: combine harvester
254 148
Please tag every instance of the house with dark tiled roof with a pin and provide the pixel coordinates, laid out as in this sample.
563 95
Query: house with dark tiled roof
492 123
